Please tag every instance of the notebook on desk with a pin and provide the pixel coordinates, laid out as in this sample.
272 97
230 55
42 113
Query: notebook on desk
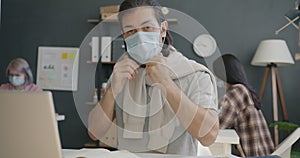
28 128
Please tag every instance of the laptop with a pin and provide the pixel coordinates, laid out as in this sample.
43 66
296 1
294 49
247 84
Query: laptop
28 128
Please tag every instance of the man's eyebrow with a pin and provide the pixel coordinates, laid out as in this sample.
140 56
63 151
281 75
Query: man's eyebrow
128 26
131 26
145 22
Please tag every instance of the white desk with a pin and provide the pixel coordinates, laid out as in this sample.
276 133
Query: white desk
103 153
221 148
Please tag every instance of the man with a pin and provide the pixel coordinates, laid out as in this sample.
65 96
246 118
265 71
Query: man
162 101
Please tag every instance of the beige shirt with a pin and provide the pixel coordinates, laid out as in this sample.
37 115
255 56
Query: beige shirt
199 88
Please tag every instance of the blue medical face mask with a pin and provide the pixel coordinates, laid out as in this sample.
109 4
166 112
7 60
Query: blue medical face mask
16 80
143 46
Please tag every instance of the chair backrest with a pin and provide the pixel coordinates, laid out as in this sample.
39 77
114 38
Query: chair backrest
203 151
224 141
284 148
222 145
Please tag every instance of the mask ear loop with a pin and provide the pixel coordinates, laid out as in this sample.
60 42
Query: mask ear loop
164 46
163 38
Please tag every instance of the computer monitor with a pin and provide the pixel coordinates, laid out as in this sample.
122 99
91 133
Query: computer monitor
28 128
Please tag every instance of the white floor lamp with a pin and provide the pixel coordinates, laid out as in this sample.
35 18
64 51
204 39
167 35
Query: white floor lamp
272 53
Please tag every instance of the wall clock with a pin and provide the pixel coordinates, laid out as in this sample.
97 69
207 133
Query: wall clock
204 45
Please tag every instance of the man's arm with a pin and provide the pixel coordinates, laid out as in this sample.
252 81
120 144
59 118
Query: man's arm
201 123
101 117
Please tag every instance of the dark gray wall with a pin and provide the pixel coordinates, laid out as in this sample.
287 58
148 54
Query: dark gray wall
237 25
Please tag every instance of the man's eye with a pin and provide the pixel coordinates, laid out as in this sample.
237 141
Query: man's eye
148 28
130 31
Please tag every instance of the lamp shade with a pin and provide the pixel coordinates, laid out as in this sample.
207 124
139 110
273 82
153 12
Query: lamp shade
273 51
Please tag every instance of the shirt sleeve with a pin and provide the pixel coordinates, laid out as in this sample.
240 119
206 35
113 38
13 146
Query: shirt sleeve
199 88
227 114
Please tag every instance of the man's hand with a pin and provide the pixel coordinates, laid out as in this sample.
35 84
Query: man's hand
123 70
157 70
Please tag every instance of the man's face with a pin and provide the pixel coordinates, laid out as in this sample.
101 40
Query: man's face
141 19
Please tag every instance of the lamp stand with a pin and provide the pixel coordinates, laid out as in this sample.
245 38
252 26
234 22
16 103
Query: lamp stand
276 88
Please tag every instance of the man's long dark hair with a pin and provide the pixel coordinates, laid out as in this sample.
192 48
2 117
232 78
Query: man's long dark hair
229 69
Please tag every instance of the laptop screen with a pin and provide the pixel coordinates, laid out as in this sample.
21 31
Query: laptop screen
28 125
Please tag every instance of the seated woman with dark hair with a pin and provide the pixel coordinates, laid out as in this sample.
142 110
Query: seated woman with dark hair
241 108
20 77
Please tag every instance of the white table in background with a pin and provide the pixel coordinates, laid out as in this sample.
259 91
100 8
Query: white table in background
59 117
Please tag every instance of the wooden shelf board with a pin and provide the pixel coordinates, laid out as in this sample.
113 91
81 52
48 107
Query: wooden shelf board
93 20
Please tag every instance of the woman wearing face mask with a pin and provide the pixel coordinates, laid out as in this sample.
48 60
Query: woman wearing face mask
19 76
241 109
162 101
